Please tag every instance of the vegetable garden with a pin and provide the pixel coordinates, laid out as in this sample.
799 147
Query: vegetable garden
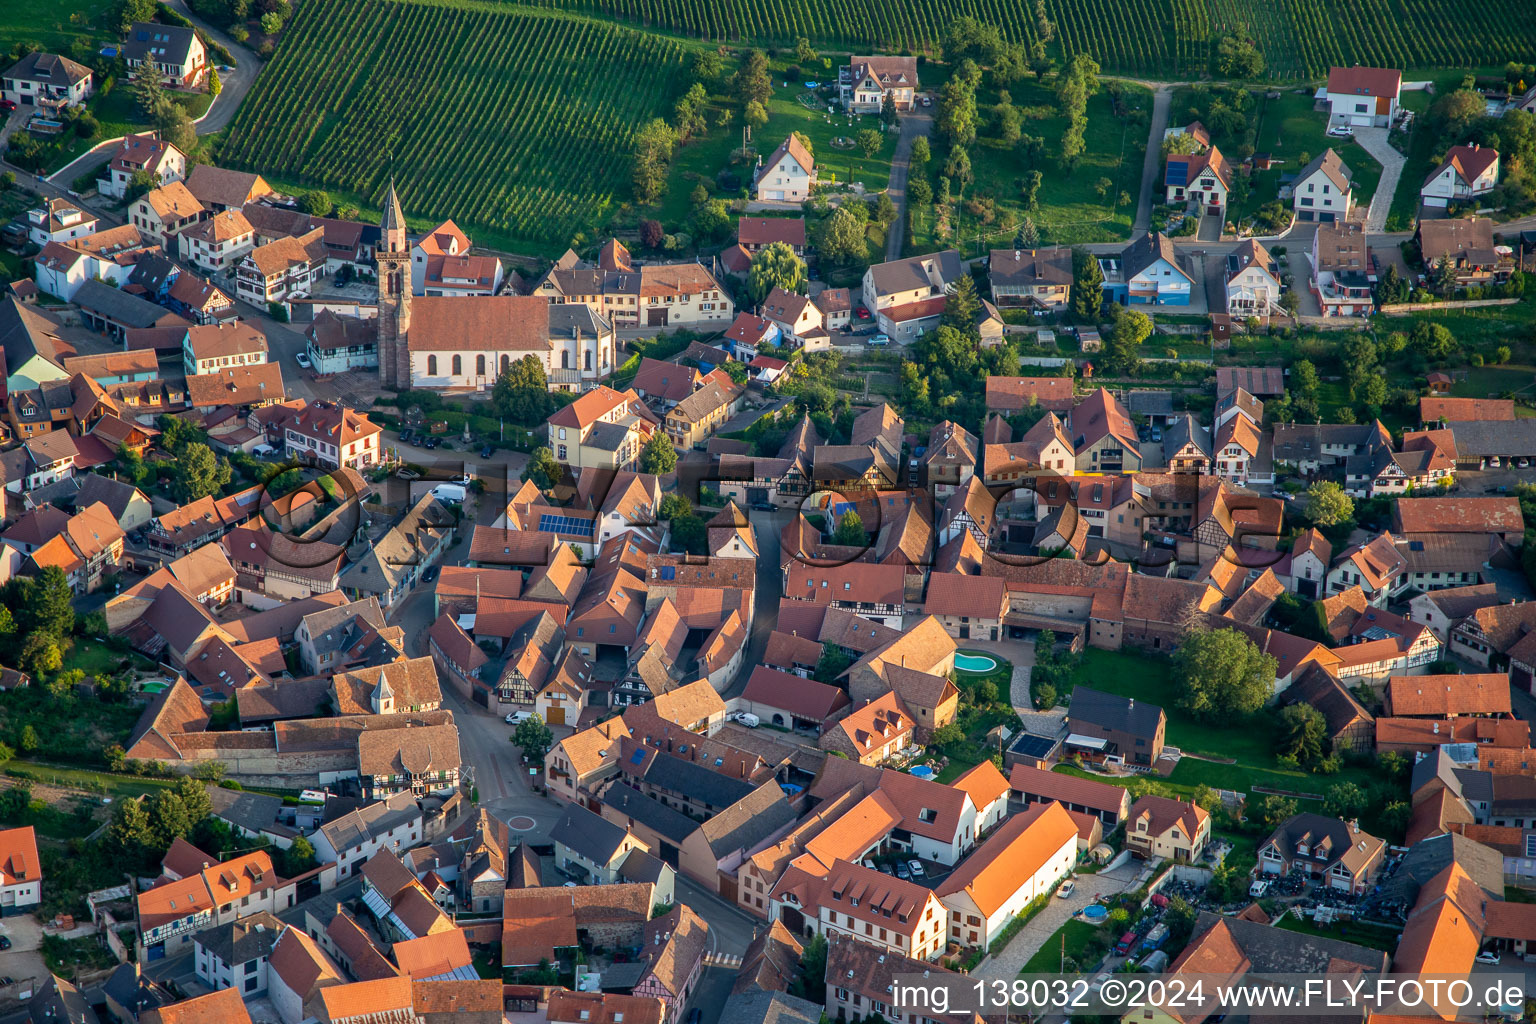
1158 38
510 120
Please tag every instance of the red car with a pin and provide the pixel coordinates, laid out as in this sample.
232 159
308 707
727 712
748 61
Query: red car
7 105
863 313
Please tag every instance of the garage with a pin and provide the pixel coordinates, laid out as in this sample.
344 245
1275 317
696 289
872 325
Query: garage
774 195
1327 218
556 715
656 317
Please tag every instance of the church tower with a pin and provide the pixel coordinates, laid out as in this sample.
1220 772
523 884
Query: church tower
393 257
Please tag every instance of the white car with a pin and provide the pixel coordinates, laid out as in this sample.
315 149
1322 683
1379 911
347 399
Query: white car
1341 131
519 717
302 359
1488 958
916 867
1066 889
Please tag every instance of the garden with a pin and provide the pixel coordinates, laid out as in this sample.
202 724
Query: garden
984 707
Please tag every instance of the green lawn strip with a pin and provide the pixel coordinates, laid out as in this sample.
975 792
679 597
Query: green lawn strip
1074 936
1361 934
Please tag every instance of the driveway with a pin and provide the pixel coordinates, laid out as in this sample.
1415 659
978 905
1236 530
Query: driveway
1374 140
912 125
22 961
1152 166
1005 966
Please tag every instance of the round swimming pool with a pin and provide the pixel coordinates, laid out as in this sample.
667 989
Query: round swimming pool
921 771
1095 913
974 663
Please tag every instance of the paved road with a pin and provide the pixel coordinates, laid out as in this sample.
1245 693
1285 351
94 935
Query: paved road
1374 141
1152 166
1005 966
769 588
713 990
912 125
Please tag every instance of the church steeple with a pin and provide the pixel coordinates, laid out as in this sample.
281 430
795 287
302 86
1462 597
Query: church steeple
392 228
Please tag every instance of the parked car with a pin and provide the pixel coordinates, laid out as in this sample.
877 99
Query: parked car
1489 957
430 574
927 101
902 871
886 869
749 720
5 943
880 340
764 506
302 359
916 867
225 69
430 443
1126 944
487 451
518 717
1066 889
863 312
1342 131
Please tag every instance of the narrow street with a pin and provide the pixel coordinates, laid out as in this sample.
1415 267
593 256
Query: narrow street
913 124
1152 166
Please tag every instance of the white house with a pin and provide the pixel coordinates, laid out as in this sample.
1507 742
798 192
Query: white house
1019 863
1253 286
1322 189
236 955
163 212
21 873
907 296
209 348
174 50
865 83
1202 180
798 317
1466 173
444 240
218 243
58 220
142 154
332 436
788 175
341 343
394 823
46 81
1362 97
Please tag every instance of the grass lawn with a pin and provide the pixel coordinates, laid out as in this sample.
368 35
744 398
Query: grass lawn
976 720
1150 678
1074 937
56 25
1370 936
1071 210
95 658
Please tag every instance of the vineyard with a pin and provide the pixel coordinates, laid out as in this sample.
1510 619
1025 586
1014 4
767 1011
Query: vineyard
511 120
1156 38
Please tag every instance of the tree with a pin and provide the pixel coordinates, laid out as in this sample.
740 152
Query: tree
1238 58
126 12
542 468
1029 193
1303 731
658 456
27 741
534 737
1028 236
198 473
1131 328
921 153
1226 677
271 23
753 85
707 65
812 982
49 604
214 85
805 53
689 534
775 266
1304 376
1087 286
1328 505
149 92
688 113
832 663
850 530
316 202
194 798
962 306
1433 340
956 120
130 830
653 151
299 857
888 115
711 220
40 654
1009 122
869 141
674 506
843 237
1344 800
755 114
957 167
1451 115
1273 810
521 392
651 234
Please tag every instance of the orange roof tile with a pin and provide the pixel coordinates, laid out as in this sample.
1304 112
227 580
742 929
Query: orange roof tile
1009 859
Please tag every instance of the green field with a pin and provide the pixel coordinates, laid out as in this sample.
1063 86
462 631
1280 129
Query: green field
1156 38
506 119
1070 209
1293 133
56 25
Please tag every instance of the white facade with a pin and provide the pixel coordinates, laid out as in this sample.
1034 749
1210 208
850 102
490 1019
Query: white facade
20 895
1252 291
57 221
401 837
590 357
1318 197
359 454
250 978
970 925
1448 185
786 180
217 256
196 364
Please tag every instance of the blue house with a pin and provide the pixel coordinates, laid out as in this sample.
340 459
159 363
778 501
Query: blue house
1149 274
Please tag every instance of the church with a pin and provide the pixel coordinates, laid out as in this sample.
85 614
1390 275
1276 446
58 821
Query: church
461 343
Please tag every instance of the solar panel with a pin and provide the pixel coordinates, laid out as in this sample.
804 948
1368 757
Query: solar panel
669 572
551 522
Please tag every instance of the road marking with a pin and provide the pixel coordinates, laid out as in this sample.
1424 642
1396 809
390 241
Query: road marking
521 823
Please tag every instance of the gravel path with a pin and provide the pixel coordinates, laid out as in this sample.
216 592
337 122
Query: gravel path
1374 141
1005 966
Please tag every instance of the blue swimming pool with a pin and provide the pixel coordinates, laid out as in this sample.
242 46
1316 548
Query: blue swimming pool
1095 913
922 771
974 663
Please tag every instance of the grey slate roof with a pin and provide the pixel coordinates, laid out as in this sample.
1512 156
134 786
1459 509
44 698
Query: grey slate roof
254 812
749 822
695 781
907 274
1183 430
249 938
591 835
1111 711
1280 951
1428 857
1482 438
121 308
770 1008
652 813
1147 250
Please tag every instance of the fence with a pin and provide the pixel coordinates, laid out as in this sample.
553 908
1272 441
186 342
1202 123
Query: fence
1423 307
